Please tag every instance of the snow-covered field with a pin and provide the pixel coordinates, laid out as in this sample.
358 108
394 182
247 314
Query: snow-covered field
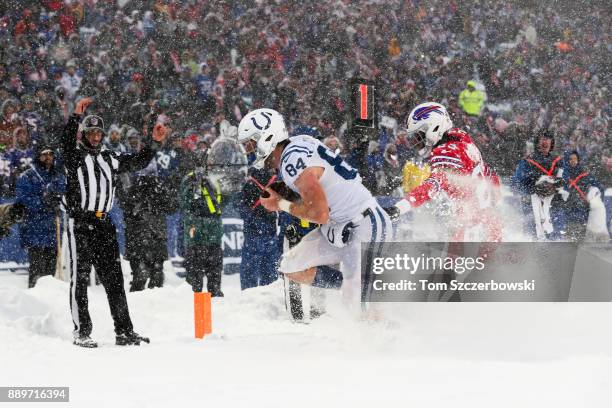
434 354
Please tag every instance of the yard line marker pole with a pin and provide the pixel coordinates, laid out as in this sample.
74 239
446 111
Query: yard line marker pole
202 314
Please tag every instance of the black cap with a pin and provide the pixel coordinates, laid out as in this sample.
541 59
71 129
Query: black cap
92 122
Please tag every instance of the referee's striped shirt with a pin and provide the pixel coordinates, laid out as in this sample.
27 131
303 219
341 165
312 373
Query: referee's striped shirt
92 175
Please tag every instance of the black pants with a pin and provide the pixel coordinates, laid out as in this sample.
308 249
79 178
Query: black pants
204 260
93 242
42 263
146 249
146 269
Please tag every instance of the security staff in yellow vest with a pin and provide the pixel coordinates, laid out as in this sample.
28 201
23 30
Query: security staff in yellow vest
471 100
200 202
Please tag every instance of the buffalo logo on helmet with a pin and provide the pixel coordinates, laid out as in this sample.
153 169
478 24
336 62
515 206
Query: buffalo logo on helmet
423 113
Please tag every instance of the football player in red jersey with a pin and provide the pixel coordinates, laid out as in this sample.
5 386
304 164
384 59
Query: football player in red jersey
457 169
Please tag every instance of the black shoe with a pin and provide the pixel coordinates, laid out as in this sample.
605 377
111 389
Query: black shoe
214 289
131 339
84 341
216 293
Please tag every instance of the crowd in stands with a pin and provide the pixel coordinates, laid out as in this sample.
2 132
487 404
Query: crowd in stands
199 62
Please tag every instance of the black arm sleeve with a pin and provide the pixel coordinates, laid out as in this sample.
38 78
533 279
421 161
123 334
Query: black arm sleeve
137 161
140 160
69 142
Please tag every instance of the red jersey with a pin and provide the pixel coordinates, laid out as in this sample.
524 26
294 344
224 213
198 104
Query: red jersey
458 170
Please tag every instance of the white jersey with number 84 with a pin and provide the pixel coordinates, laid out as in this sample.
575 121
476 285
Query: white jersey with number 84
346 196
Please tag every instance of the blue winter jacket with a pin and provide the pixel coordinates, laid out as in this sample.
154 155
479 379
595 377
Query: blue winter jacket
38 228
578 182
523 183
258 222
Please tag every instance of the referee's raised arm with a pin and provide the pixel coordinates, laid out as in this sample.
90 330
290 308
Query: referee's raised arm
69 136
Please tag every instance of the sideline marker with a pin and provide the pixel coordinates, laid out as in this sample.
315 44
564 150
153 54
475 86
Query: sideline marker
202 314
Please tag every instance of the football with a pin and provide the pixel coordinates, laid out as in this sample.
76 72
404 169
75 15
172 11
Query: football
282 190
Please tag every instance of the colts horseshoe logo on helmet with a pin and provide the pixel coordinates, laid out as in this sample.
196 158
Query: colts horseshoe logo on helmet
267 117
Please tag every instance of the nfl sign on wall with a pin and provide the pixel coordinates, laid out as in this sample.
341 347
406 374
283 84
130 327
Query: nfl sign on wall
233 239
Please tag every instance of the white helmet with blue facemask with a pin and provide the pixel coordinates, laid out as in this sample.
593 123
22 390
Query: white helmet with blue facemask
428 122
256 121
269 137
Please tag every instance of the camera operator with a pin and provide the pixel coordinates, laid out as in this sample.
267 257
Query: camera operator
200 201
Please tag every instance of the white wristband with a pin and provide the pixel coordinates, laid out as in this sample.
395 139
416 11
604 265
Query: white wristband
284 205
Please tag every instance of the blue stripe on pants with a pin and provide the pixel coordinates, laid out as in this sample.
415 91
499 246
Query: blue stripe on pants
365 274
384 224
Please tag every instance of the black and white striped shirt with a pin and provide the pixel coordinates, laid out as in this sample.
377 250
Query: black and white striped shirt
92 176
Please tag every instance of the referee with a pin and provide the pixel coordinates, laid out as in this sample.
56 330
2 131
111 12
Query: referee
92 172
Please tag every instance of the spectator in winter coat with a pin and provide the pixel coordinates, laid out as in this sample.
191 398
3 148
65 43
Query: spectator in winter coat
260 250
578 182
206 83
133 144
71 80
5 174
17 159
22 154
9 120
113 141
538 179
145 232
32 119
63 103
39 189
153 195
184 158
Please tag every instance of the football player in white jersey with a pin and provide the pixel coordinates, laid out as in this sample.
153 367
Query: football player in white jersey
331 195
301 304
